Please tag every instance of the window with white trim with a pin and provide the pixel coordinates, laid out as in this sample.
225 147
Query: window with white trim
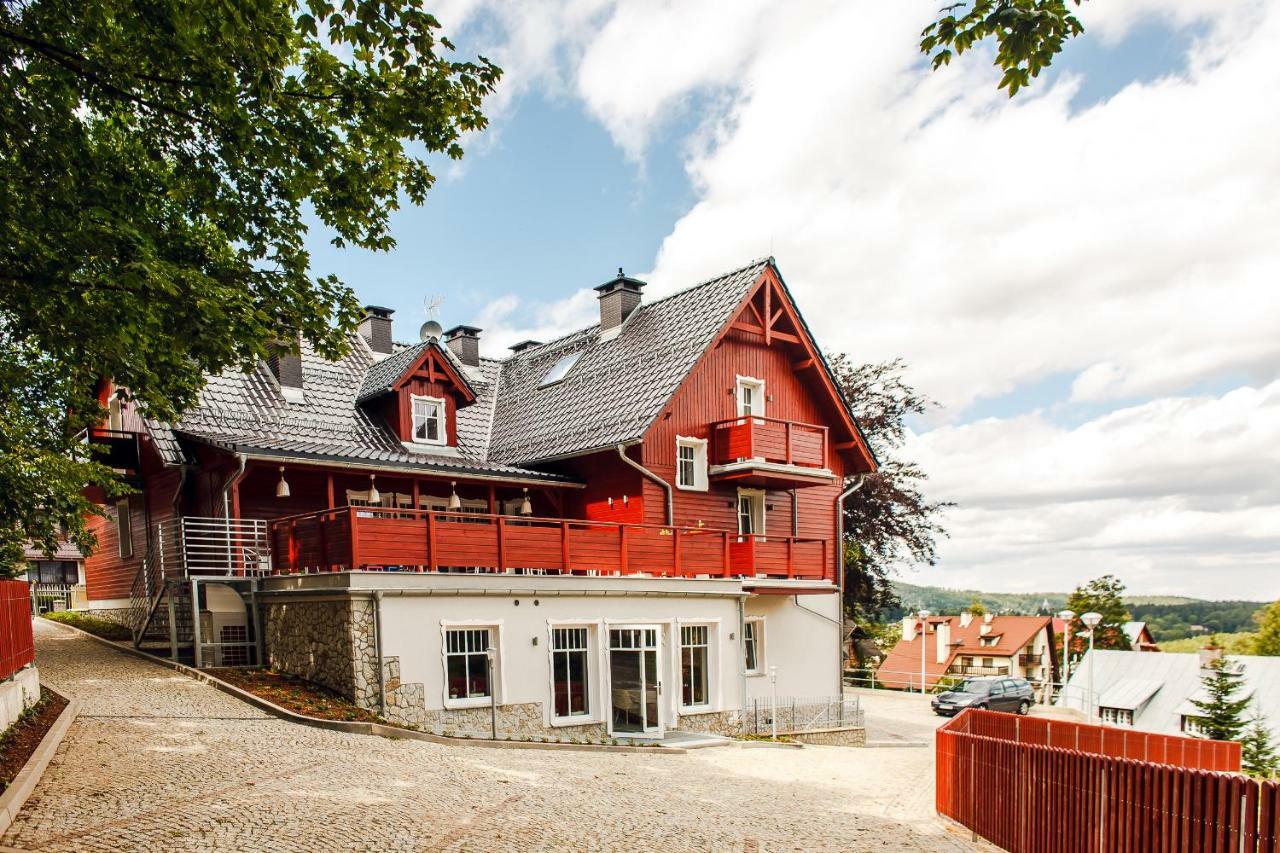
124 525
691 463
466 665
753 645
428 420
1192 726
570 672
750 396
695 665
1116 716
750 511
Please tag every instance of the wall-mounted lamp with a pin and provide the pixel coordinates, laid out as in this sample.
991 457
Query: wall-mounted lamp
526 505
455 503
282 487
626 501
375 497
610 502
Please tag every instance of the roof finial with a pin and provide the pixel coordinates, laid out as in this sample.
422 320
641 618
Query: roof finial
619 272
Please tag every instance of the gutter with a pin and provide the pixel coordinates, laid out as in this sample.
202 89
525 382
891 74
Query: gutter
666 487
862 480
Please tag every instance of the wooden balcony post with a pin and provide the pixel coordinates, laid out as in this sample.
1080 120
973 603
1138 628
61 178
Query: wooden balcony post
321 534
786 433
355 537
724 535
791 557
502 543
622 548
564 546
432 562
675 552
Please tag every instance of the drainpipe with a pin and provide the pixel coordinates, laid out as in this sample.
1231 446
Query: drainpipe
862 479
377 645
226 507
666 487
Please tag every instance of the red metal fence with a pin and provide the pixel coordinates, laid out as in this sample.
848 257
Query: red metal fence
1017 783
17 649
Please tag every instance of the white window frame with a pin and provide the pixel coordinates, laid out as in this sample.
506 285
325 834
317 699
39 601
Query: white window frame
758 639
699 447
414 399
711 645
124 528
1192 726
757 397
115 413
1116 716
758 514
595 662
497 687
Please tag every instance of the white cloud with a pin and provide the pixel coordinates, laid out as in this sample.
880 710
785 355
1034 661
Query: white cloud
509 319
1175 495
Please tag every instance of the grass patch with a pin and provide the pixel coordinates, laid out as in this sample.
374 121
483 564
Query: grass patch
764 737
20 740
1234 644
104 628
295 694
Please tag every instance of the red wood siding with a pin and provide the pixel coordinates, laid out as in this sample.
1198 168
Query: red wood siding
607 477
423 388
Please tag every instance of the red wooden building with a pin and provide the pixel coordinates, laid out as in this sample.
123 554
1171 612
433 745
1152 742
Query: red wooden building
662 486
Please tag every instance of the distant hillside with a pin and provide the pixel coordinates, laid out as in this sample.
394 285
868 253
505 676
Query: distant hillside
1234 644
1169 617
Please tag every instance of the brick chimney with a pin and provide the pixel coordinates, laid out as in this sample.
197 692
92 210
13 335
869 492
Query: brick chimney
376 328
1209 654
464 342
618 298
524 345
286 366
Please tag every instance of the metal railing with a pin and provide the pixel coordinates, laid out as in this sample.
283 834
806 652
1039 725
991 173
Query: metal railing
225 546
795 714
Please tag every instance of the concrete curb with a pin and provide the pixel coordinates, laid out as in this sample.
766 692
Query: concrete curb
360 727
15 796
896 744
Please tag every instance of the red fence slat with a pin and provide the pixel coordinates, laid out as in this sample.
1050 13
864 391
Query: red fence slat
17 648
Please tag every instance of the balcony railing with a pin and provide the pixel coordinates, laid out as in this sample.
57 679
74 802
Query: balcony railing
424 540
975 669
769 439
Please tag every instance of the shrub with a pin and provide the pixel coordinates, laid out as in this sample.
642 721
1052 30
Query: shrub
104 628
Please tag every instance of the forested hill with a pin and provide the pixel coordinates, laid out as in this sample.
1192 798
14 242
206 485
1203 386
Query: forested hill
1169 617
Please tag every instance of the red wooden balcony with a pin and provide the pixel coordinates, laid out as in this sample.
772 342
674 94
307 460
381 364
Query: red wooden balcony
370 538
769 450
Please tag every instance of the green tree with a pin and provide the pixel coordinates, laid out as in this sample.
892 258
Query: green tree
976 607
1257 754
1267 641
1103 595
159 161
1221 712
887 522
1028 35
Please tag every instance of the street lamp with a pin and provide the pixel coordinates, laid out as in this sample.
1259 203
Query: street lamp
773 699
1091 621
1066 616
924 642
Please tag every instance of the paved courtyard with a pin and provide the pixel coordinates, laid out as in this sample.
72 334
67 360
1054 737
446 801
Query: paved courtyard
158 761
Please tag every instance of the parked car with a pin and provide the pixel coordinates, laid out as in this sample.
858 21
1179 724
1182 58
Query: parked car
995 692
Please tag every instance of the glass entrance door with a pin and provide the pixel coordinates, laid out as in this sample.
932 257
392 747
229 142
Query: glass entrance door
634 680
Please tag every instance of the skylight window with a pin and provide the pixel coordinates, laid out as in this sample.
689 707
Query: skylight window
559 369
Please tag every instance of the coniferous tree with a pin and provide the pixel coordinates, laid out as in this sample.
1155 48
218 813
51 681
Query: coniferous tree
1258 755
1221 713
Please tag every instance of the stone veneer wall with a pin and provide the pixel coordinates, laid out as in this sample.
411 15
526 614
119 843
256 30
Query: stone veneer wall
319 641
727 723
849 736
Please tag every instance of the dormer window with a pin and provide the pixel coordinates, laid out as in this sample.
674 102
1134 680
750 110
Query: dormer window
428 420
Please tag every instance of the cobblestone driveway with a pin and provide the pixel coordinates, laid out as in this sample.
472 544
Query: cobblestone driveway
158 761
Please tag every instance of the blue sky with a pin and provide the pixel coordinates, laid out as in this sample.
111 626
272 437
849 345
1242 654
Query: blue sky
1061 272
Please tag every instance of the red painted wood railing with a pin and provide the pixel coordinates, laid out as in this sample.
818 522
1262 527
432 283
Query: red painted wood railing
1024 784
770 439
17 648
423 540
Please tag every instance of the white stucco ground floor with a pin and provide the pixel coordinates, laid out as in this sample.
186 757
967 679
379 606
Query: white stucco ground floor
568 658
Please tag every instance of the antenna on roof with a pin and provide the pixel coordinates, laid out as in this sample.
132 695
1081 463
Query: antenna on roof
431 330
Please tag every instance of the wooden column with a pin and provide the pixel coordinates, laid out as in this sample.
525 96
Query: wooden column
328 481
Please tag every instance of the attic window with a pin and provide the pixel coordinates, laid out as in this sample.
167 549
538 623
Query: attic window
428 420
559 369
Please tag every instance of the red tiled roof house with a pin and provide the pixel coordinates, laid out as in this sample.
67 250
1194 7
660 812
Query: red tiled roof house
970 645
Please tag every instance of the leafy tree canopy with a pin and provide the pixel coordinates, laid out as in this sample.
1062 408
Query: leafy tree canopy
1104 595
887 522
1267 641
1028 35
157 160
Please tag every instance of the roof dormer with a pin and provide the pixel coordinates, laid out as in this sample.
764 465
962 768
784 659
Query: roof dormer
418 391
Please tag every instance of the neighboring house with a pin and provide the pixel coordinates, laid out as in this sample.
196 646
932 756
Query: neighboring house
970 645
1140 639
1154 693
57 580
621 531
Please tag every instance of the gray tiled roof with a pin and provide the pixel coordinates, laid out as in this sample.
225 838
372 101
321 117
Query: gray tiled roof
611 395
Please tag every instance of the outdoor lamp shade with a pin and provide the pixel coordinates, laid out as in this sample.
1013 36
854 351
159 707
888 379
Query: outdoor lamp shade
455 503
526 506
282 487
1091 619
1067 615
375 497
